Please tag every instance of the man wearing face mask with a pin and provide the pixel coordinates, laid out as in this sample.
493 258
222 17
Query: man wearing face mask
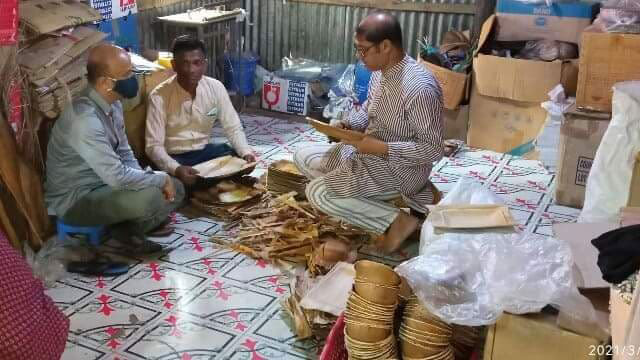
92 175
183 111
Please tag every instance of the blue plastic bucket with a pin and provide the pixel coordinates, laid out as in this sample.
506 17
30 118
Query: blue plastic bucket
239 73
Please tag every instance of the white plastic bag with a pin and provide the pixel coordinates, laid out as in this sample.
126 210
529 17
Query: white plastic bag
47 264
471 277
465 191
548 141
610 176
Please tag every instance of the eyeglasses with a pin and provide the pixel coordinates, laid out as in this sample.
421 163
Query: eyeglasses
362 51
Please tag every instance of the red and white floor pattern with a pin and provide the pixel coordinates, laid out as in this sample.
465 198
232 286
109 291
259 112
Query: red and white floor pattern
200 302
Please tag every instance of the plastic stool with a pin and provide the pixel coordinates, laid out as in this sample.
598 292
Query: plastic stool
93 233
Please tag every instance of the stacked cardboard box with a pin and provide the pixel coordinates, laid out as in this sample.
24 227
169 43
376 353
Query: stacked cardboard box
580 136
605 59
562 21
535 337
56 67
505 112
455 88
135 112
56 52
455 84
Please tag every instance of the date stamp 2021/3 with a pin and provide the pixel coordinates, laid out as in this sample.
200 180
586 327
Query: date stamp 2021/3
610 350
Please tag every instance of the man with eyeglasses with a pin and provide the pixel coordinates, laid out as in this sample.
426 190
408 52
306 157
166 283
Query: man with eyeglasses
401 120
183 111
92 175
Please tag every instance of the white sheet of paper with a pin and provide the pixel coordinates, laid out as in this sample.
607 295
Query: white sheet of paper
331 293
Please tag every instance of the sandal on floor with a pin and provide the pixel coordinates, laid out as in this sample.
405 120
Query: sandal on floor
142 246
162 230
97 268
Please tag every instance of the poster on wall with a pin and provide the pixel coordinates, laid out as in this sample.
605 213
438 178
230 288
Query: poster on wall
115 9
285 96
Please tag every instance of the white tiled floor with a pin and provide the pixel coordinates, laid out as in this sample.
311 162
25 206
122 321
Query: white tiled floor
202 302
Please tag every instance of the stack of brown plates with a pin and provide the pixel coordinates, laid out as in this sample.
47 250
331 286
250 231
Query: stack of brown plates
283 177
465 339
423 335
370 312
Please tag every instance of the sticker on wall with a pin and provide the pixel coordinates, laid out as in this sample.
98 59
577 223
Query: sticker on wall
115 9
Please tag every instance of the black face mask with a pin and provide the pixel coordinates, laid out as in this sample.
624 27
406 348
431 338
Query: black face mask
128 88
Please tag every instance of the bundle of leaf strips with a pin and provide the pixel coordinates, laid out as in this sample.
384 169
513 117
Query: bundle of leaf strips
282 228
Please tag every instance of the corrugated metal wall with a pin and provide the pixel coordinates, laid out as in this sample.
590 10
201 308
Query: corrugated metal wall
150 35
277 28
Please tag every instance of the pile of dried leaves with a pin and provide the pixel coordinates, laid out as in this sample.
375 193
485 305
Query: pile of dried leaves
282 228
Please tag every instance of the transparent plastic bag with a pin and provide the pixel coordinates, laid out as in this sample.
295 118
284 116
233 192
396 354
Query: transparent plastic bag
548 50
338 108
259 78
47 264
346 82
300 69
622 16
342 96
470 277
548 140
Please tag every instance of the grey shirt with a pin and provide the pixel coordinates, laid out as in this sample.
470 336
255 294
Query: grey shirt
88 149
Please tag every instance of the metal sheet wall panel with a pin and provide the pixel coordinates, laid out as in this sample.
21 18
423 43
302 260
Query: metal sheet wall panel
151 36
320 32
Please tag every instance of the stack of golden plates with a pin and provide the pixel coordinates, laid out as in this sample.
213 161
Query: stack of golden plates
284 177
465 339
370 312
423 335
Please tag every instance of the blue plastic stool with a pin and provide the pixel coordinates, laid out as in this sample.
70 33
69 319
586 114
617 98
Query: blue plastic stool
93 233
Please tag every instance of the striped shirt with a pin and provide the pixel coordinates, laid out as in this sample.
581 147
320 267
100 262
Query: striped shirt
403 109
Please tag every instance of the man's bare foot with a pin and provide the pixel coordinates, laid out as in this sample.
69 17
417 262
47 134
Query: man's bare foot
402 227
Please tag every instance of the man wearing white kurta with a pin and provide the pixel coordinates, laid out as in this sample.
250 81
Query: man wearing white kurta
402 123
182 112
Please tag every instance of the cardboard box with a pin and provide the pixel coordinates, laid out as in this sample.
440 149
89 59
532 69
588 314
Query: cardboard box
135 114
580 136
535 337
585 255
502 125
517 79
45 16
562 21
454 84
605 59
601 328
456 123
285 96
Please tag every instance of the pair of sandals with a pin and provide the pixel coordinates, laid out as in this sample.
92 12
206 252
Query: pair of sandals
102 265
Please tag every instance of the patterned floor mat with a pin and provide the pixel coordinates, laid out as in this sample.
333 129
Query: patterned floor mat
199 302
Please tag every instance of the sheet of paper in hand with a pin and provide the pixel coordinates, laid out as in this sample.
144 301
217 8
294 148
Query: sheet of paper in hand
224 166
334 132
